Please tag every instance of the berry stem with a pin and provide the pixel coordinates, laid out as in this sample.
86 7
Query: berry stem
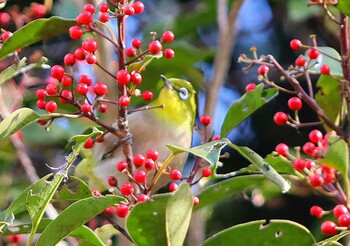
160 171
118 227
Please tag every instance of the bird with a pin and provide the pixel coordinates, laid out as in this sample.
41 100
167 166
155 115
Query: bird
173 123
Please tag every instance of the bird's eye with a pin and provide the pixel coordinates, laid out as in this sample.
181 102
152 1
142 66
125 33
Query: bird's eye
183 93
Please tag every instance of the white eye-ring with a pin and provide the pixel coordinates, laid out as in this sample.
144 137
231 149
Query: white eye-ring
183 93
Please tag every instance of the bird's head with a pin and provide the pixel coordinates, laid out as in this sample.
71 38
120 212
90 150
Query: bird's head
178 98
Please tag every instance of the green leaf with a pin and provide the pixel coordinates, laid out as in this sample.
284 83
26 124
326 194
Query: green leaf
334 238
261 232
344 7
5 222
36 203
224 189
208 151
105 232
36 31
17 120
335 66
263 166
243 107
75 216
337 155
73 189
139 66
280 164
162 221
328 96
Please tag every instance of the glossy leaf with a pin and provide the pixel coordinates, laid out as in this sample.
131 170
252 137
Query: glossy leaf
335 66
139 66
75 216
261 232
17 120
344 7
264 167
333 240
328 96
162 221
337 155
36 31
208 151
73 189
224 189
280 164
243 107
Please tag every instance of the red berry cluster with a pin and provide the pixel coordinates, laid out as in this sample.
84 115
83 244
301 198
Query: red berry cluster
341 215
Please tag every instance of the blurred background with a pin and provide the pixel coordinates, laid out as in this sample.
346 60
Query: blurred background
267 25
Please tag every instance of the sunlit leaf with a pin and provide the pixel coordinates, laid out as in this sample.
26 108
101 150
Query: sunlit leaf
243 107
261 232
73 189
337 155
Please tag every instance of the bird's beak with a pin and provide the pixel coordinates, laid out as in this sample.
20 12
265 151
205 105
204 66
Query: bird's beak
167 82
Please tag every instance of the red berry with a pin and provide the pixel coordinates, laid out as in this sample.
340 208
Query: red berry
40 94
127 189
344 220
140 176
103 17
51 89
136 43
75 32
90 45
6 35
69 59
316 211
313 54
104 7
123 77
282 149
195 201
152 154
299 165
147 95
86 108
57 72
51 106
89 143
138 7
138 160
168 36
315 136
129 10
205 120
339 210
250 87
110 211
168 53
300 61
149 164
91 59
4 18
316 180
85 79
328 178
41 103
217 137
84 18
325 69
136 78
263 69
175 174
173 186
102 108
80 53
95 192
39 10
309 148
82 88
280 118
65 94
15 238
122 210
122 165
131 52
295 103
99 139
67 81
295 44
124 101
155 47
206 172
142 198
329 228
100 89
89 7
112 181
